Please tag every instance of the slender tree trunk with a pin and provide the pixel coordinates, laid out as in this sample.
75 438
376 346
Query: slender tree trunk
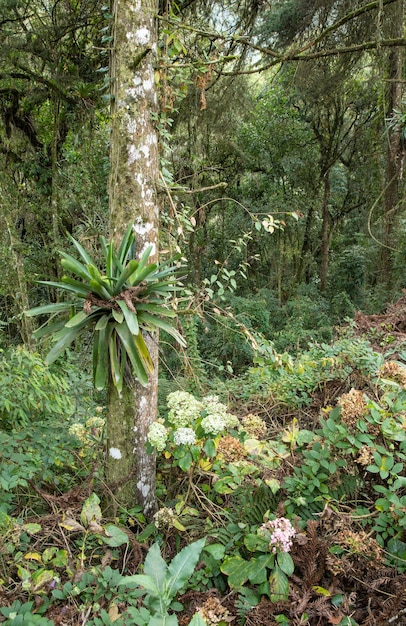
134 164
54 199
394 155
21 293
325 240
306 247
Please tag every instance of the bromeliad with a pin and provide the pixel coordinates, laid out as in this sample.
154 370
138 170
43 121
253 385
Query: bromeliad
129 298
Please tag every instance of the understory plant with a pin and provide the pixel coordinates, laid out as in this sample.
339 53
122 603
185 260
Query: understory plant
117 304
161 582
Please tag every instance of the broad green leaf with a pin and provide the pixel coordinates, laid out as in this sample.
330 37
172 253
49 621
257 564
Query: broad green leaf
144 352
115 536
129 269
118 316
40 578
130 317
238 570
124 250
76 319
99 288
197 620
163 620
102 323
75 267
128 342
110 261
144 257
141 580
91 509
48 329
116 367
70 284
152 322
182 566
32 528
85 256
100 359
279 585
260 565
64 341
55 307
217 550
285 562
256 542
156 567
141 274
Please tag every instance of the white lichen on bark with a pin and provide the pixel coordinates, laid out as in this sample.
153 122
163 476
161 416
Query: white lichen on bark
115 453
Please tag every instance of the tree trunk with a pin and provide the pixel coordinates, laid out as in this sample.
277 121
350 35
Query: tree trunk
325 239
394 154
134 170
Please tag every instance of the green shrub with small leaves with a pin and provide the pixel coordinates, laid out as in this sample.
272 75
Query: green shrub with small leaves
30 391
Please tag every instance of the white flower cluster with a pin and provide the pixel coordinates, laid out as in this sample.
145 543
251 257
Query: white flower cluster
157 436
186 436
280 533
218 419
164 518
183 408
213 424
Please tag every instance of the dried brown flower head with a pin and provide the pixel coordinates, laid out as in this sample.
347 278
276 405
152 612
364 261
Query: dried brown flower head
365 456
254 426
360 544
353 407
230 449
213 612
393 371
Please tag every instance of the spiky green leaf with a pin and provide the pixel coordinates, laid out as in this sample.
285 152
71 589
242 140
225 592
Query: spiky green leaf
130 318
85 256
55 307
128 342
76 319
74 266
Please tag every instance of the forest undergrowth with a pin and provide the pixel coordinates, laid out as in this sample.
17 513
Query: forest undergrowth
281 495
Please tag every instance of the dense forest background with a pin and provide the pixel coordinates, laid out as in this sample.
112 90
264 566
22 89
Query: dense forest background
282 139
283 187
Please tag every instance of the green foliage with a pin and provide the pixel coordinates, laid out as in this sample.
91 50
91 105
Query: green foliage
45 453
294 381
30 391
23 614
161 582
127 298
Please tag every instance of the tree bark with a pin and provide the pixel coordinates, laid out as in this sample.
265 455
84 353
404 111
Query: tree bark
134 170
325 240
394 154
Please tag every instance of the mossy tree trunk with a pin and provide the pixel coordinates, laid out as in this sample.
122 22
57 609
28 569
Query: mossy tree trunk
133 200
393 202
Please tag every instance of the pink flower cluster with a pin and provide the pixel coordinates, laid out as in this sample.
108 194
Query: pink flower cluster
280 533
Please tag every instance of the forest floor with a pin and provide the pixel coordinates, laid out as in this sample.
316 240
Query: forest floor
373 594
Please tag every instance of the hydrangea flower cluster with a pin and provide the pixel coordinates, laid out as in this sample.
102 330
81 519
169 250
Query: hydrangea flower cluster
164 518
280 533
93 427
213 424
254 426
185 416
183 408
184 435
157 436
213 406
